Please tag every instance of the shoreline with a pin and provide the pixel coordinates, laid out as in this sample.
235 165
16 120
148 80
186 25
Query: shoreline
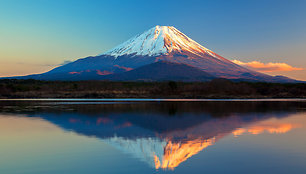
215 89
153 100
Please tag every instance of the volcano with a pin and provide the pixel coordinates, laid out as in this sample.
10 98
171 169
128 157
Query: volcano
180 57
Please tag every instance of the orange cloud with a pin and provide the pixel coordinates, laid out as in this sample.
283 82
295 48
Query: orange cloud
238 132
270 127
267 67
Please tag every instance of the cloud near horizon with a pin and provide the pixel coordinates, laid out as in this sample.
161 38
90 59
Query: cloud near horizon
267 67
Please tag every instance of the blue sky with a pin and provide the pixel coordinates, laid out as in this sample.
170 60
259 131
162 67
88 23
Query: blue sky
37 35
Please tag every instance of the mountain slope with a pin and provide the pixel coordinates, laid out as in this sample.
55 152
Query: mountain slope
163 70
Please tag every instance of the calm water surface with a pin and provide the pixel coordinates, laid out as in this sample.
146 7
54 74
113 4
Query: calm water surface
153 136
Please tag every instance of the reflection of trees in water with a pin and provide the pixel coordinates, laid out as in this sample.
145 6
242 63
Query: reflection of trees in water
214 108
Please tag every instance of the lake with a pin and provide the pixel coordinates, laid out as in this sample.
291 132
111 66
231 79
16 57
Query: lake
81 136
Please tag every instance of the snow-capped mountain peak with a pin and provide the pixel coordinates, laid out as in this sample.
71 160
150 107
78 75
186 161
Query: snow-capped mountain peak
159 40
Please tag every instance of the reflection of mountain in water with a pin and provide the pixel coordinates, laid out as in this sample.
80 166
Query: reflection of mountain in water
164 134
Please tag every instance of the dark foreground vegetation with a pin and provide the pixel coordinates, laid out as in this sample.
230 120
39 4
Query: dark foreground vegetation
217 88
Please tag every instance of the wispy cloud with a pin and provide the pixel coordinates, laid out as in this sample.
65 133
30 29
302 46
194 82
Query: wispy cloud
65 62
267 67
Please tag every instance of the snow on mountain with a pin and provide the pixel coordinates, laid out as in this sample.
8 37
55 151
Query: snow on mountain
157 41
145 149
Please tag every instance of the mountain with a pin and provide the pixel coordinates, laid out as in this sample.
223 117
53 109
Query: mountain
160 43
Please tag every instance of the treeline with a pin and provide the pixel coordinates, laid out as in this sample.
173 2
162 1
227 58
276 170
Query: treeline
217 88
